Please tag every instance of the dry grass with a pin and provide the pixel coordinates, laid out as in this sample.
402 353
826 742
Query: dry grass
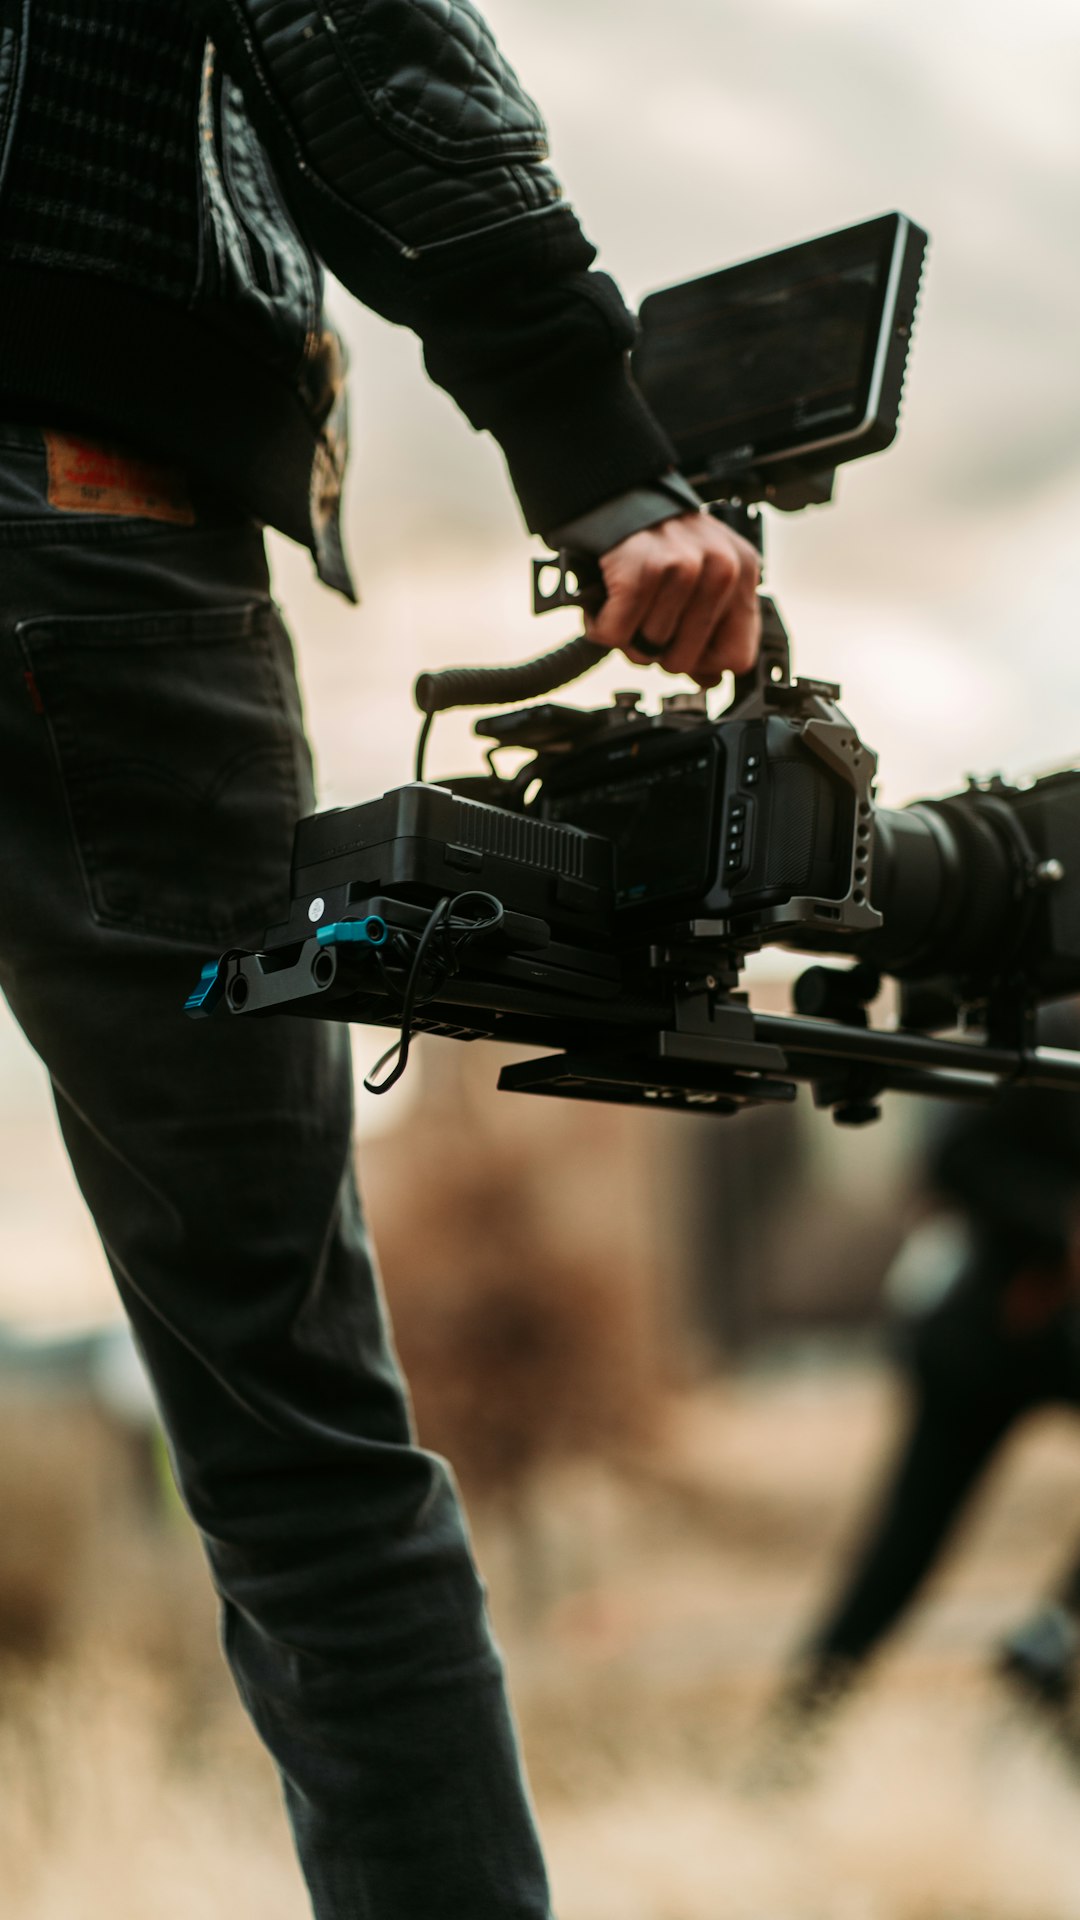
106 1813
131 1786
920 1815
910 1824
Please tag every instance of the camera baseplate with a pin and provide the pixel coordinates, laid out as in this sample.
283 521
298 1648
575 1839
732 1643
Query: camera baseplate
643 1028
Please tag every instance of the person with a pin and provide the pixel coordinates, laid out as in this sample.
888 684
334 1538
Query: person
991 1333
173 179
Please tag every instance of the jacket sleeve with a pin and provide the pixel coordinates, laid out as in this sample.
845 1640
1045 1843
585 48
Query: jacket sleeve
416 167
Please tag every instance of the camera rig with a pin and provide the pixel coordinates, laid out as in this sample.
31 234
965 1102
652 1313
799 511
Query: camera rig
601 900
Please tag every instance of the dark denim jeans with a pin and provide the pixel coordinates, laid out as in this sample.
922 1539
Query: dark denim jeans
153 763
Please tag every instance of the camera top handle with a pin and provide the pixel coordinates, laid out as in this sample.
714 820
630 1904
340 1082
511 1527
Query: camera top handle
578 583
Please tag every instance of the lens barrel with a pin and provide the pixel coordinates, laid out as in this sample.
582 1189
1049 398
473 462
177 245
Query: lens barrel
950 879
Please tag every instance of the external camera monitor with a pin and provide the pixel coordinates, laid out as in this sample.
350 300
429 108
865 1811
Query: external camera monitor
782 367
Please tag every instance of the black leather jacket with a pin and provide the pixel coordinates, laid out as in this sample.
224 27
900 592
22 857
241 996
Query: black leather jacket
174 172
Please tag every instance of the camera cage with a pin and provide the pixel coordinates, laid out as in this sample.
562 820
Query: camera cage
660 1021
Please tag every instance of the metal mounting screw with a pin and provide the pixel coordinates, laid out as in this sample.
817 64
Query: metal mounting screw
685 702
317 908
1048 873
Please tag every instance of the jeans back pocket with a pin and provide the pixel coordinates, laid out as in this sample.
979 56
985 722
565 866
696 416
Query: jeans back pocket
179 742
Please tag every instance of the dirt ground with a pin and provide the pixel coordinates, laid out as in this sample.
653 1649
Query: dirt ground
645 1612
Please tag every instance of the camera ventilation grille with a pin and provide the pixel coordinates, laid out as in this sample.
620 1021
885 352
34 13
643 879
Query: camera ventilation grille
516 836
793 822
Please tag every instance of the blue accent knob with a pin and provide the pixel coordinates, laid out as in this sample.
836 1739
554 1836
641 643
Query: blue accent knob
201 997
369 932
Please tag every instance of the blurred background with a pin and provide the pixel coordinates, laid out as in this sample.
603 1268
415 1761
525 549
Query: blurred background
651 1344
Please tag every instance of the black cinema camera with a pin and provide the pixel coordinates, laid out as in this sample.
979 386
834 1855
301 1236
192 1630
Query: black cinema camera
602 897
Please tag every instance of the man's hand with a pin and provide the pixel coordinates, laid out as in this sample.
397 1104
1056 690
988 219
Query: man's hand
688 586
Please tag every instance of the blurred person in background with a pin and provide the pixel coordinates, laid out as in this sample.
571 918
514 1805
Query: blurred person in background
988 1289
172 178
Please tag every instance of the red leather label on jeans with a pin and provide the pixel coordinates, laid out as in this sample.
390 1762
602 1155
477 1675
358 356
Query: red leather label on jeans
86 477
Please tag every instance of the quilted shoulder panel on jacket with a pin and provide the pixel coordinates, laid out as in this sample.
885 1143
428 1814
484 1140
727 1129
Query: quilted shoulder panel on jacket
322 84
428 71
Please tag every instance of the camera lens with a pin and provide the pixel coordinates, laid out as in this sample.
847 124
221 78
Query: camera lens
948 879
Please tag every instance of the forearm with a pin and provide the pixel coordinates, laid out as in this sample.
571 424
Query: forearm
543 366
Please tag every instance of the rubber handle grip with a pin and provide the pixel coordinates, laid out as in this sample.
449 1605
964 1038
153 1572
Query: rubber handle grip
491 686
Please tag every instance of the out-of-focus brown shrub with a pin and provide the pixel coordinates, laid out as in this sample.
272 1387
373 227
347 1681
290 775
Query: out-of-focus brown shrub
94 1549
53 1464
518 1239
